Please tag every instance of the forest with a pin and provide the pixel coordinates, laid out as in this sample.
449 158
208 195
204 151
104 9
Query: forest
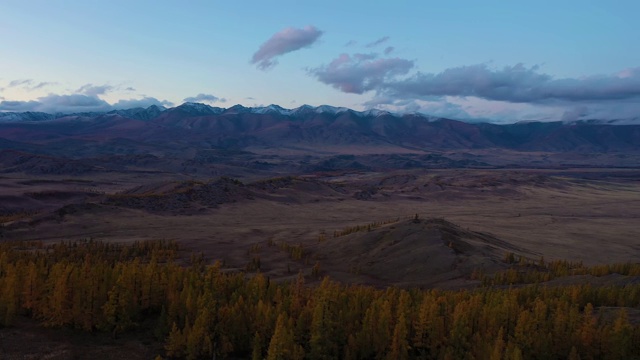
200 311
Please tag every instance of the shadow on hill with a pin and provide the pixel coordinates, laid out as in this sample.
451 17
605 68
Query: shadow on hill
428 252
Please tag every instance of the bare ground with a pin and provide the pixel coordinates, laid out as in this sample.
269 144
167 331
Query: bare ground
555 214
468 219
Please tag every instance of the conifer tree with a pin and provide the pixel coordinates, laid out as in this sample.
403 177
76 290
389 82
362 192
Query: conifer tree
573 355
256 347
399 344
281 344
199 342
8 297
498 346
175 344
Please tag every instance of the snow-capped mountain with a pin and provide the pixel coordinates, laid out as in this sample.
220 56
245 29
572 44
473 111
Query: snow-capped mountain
190 109
26 116
198 109
273 125
330 109
272 109
140 113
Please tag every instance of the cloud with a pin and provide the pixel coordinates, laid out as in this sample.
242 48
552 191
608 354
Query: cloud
19 106
361 72
377 42
204 98
94 90
575 113
477 92
20 82
620 110
29 84
76 103
350 43
53 103
440 108
145 102
364 57
468 109
285 41
41 85
388 50
517 84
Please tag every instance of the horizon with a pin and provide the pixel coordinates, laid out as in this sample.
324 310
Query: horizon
493 62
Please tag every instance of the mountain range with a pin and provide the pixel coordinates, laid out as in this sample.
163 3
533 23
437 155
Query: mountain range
162 131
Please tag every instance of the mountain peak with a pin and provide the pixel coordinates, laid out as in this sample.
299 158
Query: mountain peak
193 108
237 109
375 112
271 109
325 125
155 107
331 109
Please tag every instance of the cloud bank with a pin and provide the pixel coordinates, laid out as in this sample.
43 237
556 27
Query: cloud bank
361 72
283 42
86 98
204 98
516 84
144 102
507 94
77 103
94 90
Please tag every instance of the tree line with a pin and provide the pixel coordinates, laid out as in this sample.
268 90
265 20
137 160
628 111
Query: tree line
199 310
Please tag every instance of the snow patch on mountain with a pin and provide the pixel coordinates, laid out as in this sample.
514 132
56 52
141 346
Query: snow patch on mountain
272 109
198 109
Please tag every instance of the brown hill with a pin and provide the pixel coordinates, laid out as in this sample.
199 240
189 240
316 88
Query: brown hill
188 197
419 252
18 161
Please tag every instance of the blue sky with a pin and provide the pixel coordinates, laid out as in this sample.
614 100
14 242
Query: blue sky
499 61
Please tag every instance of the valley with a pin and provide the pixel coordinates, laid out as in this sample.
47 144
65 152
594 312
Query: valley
587 215
450 210
224 181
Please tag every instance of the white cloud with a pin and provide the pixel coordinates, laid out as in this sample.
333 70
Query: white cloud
76 103
282 42
144 102
209 98
361 72
94 90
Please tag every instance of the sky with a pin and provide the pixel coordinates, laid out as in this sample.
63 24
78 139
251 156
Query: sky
496 61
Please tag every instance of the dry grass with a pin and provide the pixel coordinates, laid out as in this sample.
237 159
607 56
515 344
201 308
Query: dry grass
588 215
542 213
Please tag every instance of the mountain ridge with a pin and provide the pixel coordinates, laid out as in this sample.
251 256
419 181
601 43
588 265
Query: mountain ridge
201 109
305 128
